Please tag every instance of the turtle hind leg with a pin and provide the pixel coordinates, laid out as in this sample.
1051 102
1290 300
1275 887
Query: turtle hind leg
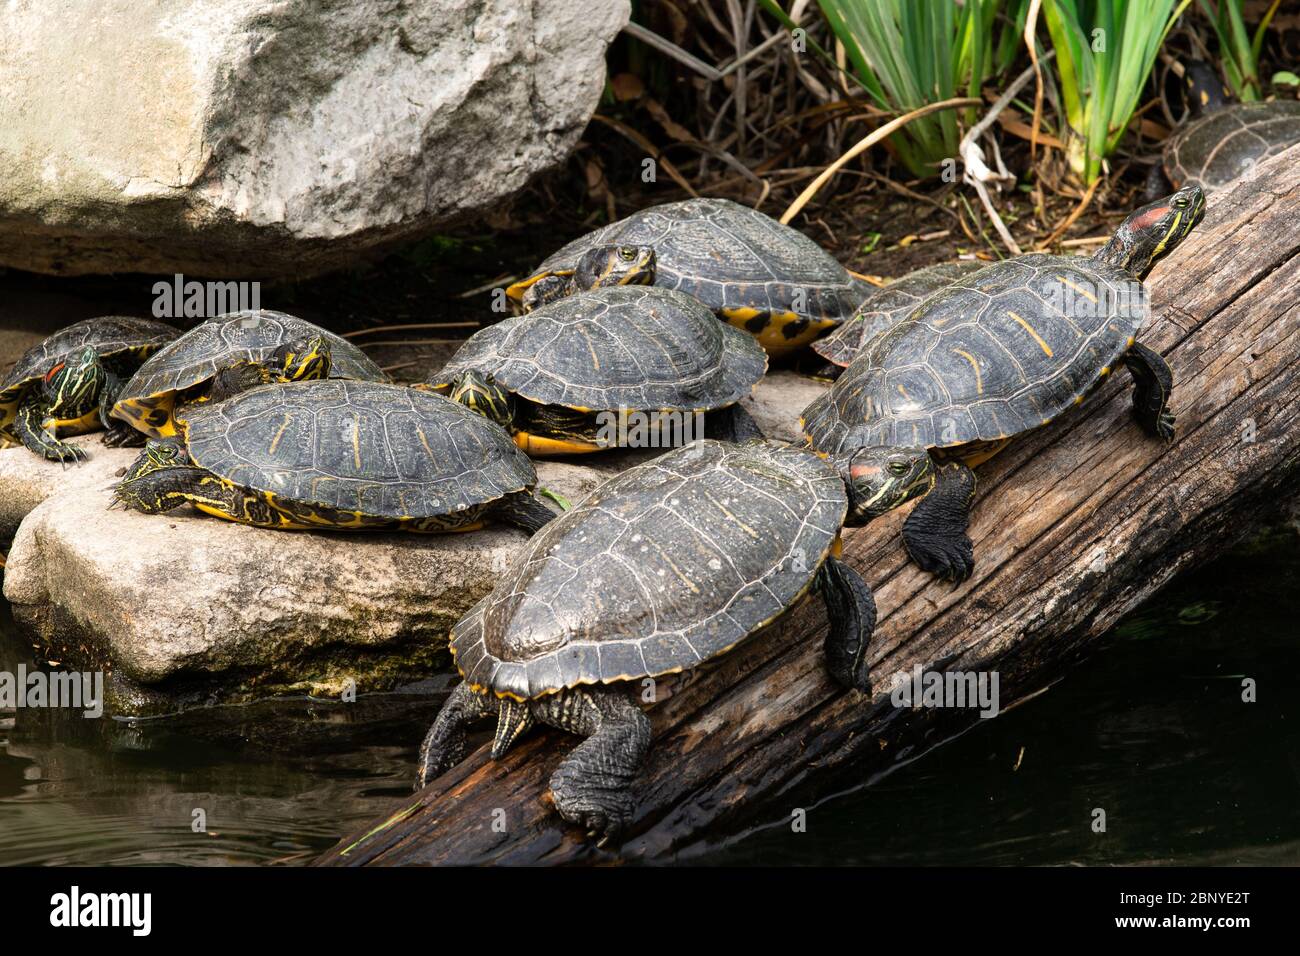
592 786
523 510
935 532
733 424
1152 385
446 743
29 426
851 611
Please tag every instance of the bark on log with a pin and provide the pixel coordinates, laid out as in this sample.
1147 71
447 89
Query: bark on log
1074 526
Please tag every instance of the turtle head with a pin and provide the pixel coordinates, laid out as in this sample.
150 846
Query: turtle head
303 359
480 393
615 265
158 478
1203 89
1150 233
881 478
72 387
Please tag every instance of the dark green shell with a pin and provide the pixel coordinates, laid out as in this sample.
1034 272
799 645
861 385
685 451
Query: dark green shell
992 355
112 336
729 257
198 354
1226 144
886 307
666 565
632 347
369 448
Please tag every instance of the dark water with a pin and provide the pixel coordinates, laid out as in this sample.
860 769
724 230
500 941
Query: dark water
1153 730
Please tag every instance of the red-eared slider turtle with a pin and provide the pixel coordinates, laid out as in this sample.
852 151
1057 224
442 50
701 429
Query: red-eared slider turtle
616 366
68 383
883 309
997 353
237 350
1225 139
662 568
752 271
338 454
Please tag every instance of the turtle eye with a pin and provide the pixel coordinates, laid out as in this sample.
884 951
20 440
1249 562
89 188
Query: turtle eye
1181 202
897 468
626 253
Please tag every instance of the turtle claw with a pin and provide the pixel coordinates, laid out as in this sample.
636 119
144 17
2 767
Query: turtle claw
601 814
67 454
1165 426
123 438
950 559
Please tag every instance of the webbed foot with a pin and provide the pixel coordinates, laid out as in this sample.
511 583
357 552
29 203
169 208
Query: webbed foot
935 532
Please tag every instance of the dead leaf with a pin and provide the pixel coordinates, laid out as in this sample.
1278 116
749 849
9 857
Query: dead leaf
626 87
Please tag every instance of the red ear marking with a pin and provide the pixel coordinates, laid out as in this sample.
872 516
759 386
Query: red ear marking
1150 217
54 371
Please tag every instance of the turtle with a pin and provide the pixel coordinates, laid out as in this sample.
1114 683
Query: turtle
234 351
613 366
662 568
1225 139
67 383
337 454
882 310
755 273
997 353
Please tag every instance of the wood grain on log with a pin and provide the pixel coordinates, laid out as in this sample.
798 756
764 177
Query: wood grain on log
1074 526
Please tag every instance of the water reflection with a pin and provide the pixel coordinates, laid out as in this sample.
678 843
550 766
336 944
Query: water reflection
277 782
1153 731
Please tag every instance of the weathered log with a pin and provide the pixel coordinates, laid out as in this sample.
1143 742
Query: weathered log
1074 526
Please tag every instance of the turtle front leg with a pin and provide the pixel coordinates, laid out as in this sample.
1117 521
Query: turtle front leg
117 433
851 611
446 745
1152 385
592 786
733 424
935 532
30 427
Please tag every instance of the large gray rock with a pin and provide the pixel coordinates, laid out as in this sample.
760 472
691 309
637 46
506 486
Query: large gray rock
26 479
186 609
252 138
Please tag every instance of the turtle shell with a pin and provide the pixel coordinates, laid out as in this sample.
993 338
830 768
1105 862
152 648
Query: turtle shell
195 357
623 347
1225 144
999 352
886 307
365 448
662 567
113 336
728 256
